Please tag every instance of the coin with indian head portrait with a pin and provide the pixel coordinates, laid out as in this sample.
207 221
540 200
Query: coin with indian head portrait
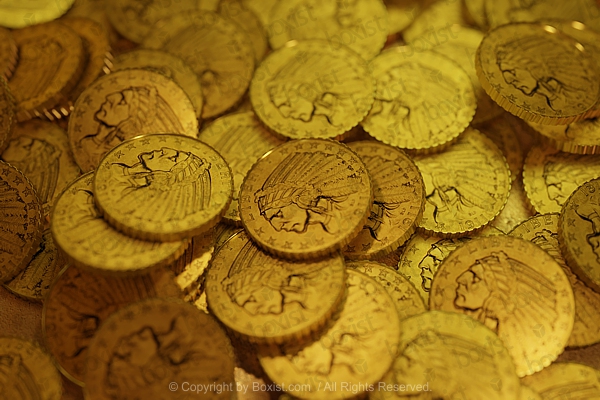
79 302
163 187
399 200
153 348
537 73
306 198
89 242
123 105
270 300
27 372
20 221
516 289
308 89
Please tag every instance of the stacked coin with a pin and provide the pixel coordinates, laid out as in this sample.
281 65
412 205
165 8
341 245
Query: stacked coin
301 199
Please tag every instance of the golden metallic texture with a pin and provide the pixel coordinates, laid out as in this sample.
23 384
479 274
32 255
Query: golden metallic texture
249 22
20 14
514 288
306 198
575 381
581 137
9 53
123 105
309 89
8 119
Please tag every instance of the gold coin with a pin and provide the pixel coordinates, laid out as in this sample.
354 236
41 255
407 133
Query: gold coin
579 233
466 186
160 349
306 198
581 137
89 242
538 73
262 9
51 60
434 23
517 209
9 53
241 140
78 304
123 105
401 13
7 114
398 202
223 232
309 89
17 14
41 151
249 22
33 283
163 187
96 11
461 48
268 300
97 46
136 20
218 51
506 11
20 219
543 231
406 297
422 256
350 356
423 100
27 371
361 25
476 12
527 393
169 65
566 380
445 355
516 289
550 176
504 131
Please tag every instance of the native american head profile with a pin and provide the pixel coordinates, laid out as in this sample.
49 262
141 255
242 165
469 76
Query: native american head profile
308 189
540 66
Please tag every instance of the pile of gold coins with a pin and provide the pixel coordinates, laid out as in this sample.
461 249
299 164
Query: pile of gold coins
280 199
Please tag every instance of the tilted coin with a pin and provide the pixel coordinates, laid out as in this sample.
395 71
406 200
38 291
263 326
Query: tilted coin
550 176
20 221
41 151
401 13
79 302
123 105
306 198
97 46
350 356
167 64
163 187
250 23
399 200
422 256
223 232
406 297
581 137
95 11
538 73
309 89
570 380
579 232
466 186
506 11
514 288
423 100
543 231
361 25
8 53
17 14
87 240
241 140
218 51
148 348
27 372
444 355
51 61
434 23
461 48
135 20
33 282
268 300
7 114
